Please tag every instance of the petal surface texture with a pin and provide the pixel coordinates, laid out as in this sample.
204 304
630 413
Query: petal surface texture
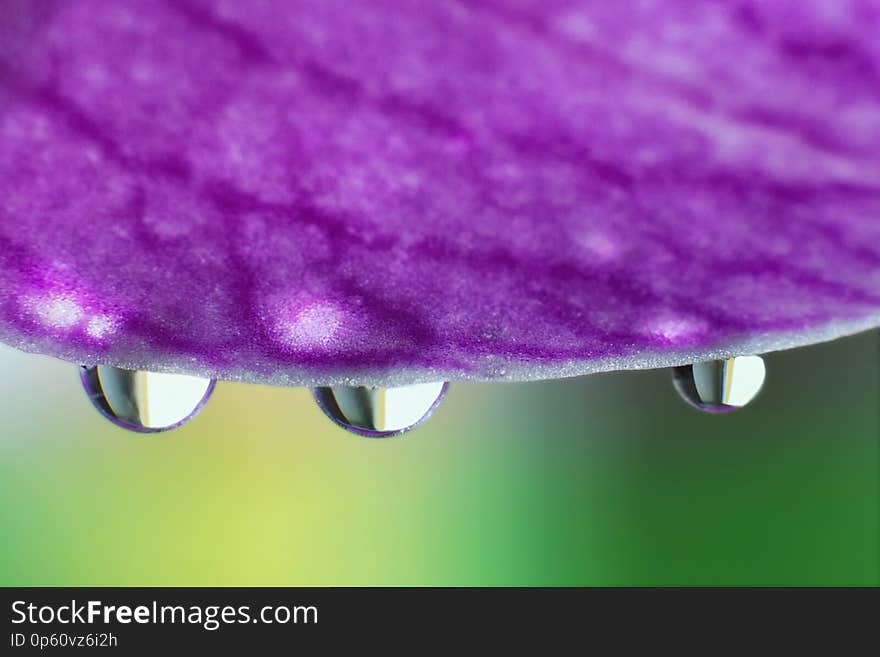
335 191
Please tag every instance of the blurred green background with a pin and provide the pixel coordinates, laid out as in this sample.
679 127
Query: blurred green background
607 479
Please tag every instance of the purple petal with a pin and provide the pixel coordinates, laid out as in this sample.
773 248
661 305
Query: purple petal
325 191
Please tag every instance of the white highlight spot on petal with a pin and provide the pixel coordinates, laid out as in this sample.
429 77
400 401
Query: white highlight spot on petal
676 329
313 326
100 326
600 245
56 310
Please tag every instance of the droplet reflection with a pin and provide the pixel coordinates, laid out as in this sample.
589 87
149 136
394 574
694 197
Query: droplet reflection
379 412
720 386
145 402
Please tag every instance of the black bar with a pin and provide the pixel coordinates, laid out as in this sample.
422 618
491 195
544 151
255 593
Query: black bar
381 618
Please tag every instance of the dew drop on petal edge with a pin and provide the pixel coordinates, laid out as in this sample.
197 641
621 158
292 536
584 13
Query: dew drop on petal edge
145 402
378 412
720 386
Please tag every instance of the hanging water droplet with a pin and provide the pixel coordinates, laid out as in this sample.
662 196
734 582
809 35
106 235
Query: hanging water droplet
379 412
720 386
145 402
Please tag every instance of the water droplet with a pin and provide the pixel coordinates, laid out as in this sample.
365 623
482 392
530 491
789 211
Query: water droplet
720 386
379 412
145 402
